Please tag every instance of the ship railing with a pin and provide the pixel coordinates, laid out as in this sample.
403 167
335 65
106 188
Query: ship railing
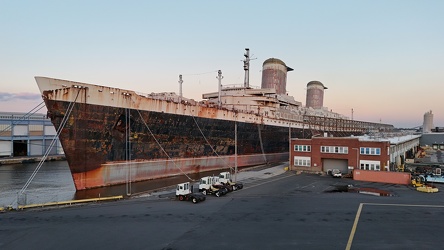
238 86
169 97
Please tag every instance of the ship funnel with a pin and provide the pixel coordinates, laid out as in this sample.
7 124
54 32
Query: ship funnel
315 95
274 75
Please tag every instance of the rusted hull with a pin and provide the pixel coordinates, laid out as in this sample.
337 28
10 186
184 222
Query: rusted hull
124 172
111 136
98 142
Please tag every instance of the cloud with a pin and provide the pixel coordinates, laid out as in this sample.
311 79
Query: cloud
4 97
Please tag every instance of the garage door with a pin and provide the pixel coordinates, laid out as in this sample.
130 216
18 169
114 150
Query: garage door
36 147
5 148
340 164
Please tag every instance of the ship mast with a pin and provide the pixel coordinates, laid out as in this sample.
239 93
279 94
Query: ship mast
180 87
219 77
247 68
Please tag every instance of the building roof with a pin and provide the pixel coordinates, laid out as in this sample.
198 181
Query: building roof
391 139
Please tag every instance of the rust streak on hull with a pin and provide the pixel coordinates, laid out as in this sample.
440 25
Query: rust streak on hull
122 172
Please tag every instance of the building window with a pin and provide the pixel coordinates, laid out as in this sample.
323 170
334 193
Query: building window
370 165
370 151
302 148
302 161
334 149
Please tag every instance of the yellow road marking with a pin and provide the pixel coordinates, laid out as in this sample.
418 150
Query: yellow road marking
355 225
358 214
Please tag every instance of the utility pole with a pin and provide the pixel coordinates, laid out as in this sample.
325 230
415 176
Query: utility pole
235 151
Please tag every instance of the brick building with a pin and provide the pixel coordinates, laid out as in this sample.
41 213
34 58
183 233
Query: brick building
320 154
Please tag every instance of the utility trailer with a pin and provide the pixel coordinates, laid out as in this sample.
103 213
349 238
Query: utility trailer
184 192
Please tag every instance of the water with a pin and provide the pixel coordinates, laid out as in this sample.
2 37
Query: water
53 182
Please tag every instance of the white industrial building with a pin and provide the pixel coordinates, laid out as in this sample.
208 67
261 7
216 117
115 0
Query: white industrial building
22 134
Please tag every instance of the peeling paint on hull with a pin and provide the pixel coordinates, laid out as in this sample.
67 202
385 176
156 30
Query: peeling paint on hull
98 152
124 172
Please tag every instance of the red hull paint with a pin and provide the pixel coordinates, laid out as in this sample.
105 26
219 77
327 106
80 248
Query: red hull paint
121 172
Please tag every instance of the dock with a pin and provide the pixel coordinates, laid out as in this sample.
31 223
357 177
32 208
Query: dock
30 159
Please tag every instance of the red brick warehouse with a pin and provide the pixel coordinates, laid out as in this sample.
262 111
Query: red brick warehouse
320 154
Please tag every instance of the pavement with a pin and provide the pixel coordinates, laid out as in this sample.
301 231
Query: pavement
246 176
276 209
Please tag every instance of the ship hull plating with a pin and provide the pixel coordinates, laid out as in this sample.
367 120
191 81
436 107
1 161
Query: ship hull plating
108 145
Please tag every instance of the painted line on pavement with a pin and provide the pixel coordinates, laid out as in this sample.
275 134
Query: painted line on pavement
355 225
403 205
262 183
358 214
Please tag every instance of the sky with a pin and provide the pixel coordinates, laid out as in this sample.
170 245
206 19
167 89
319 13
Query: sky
382 59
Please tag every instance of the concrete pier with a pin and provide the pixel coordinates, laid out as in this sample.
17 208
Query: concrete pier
30 159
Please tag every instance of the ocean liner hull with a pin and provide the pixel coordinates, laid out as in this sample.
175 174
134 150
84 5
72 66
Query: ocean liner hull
112 136
100 152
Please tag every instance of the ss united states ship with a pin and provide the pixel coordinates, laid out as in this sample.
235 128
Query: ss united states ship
114 136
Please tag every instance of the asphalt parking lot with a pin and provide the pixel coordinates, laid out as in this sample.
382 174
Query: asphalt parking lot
285 211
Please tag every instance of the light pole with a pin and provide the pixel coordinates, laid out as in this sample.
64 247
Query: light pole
357 157
289 146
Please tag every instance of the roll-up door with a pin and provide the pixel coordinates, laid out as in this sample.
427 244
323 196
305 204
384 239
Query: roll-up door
36 147
341 164
5 148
